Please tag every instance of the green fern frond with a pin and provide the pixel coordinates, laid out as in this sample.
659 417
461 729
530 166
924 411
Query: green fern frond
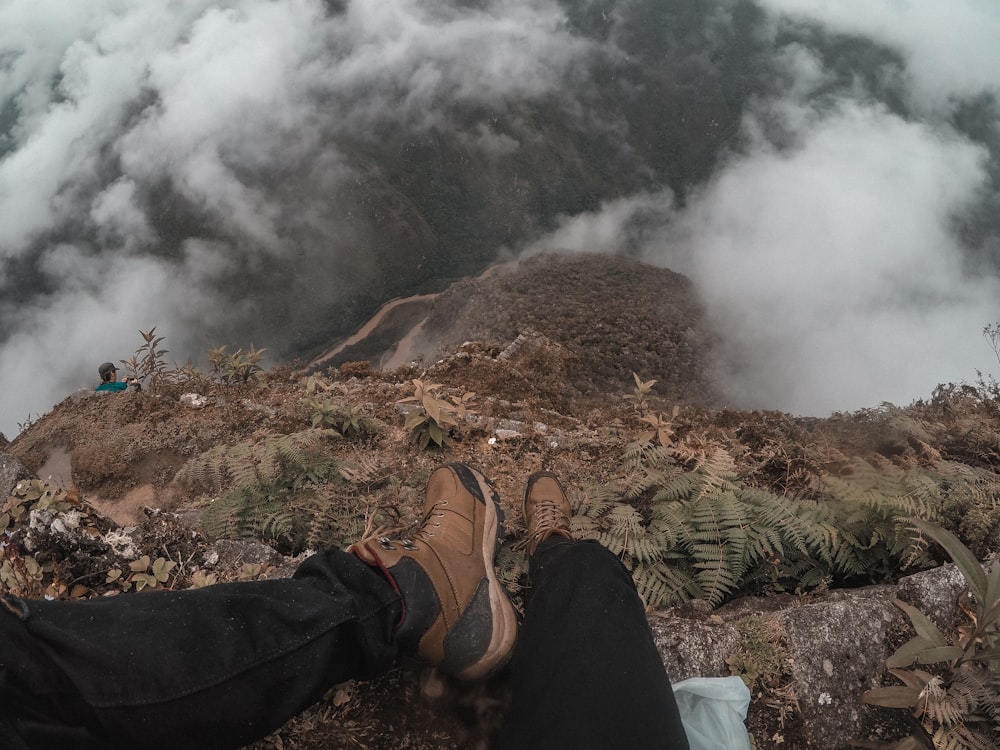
680 487
511 566
264 485
598 499
646 455
660 585
961 737
716 578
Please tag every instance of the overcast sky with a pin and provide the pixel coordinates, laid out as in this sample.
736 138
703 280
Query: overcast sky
828 256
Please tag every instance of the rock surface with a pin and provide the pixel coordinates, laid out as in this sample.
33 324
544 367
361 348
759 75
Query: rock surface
12 471
834 645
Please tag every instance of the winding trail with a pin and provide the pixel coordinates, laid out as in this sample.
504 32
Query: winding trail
403 352
372 324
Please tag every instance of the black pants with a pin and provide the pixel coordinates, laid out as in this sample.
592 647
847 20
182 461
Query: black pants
223 666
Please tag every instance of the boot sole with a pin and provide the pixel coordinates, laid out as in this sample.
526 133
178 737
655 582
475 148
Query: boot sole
504 619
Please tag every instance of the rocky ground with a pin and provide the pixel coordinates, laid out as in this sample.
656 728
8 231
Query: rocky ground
548 352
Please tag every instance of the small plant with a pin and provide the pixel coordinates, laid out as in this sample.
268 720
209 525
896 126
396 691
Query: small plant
347 421
200 579
662 429
254 571
28 421
147 362
759 655
235 367
23 576
992 335
956 699
143 574
434 417
150 574
28 495
642 390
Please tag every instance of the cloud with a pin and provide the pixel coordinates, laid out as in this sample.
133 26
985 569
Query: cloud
949 49
826 247
161 147
618 226
96 317
205 166
832 268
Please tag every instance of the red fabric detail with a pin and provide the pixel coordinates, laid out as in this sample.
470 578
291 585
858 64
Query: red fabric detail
388 576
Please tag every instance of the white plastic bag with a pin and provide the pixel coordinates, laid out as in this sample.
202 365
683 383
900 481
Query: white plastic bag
712 711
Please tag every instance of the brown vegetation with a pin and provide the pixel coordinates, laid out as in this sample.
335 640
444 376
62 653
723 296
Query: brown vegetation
550 362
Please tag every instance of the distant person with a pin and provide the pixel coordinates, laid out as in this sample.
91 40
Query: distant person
222 666
110 382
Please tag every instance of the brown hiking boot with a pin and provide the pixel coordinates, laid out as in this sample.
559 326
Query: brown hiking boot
456 614
546 509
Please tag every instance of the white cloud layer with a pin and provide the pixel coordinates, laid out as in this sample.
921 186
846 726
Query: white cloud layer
830 262
199 93
832 268
950 49
831 265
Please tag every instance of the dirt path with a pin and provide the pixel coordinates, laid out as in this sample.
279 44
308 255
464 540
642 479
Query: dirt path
370 326
404 350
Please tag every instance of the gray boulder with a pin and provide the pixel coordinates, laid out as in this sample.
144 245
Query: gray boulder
834 648
837 651
12 471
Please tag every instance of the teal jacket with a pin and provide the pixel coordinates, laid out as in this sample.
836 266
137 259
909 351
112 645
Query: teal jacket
115 386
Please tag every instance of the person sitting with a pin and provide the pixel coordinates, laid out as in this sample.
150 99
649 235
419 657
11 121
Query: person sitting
218 667
110 382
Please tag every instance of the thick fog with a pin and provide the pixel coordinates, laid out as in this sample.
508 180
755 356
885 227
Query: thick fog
195 166
837 246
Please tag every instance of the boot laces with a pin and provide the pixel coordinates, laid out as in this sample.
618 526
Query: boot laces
423 533
546 518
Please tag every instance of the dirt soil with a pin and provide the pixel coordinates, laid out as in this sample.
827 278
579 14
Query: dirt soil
549 352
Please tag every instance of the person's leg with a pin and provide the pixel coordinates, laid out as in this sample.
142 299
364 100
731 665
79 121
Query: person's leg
461 618
585 672
210 668
221 666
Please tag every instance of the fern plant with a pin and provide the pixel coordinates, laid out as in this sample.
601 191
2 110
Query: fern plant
264 486
955 693
700 532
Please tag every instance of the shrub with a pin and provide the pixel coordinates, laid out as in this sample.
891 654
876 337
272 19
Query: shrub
955 693
433 418
147 362
235 367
